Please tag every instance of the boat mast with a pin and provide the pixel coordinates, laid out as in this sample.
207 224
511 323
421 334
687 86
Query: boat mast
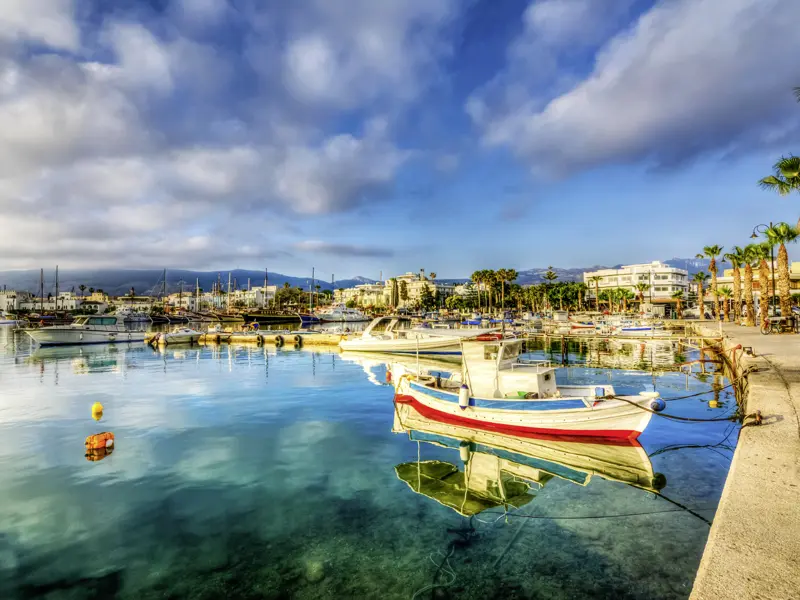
56 288
41 290
197 295
311 293
229 291
264 298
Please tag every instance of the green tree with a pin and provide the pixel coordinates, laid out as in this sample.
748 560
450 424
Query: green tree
596 279
763 253
642 288
701 279
785 178
82 288
737 259
779 235
426 299
678 297
91 291
750 256
726 294
712 252
404 291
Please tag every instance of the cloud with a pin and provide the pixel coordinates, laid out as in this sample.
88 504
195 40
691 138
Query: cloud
668 89
47 22
344 250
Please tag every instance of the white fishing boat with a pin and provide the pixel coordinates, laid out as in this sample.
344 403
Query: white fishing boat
339 313
107 329
179 335
130 315
394 335
498 391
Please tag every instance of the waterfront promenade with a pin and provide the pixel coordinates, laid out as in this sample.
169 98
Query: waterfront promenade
753 549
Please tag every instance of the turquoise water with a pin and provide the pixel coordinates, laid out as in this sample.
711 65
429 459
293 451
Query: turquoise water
255 473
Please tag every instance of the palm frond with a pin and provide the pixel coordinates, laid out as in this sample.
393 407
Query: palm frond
788 166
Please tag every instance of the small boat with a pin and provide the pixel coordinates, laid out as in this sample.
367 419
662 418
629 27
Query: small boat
394 335
179 335
308 318
500 392
268 316
7 319
339 313
129 315
106 329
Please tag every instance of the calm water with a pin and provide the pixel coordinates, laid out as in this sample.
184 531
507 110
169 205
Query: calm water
256 473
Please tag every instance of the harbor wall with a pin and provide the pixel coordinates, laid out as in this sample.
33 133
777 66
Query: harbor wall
753 548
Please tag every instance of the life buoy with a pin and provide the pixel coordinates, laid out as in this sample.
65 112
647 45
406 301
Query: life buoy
99 441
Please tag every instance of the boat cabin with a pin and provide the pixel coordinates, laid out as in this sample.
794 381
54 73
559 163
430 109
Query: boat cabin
94 321
494 370
387 327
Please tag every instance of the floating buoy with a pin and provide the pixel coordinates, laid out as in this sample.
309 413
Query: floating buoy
463 396
659 481
99 441
464 451
657 404
97 411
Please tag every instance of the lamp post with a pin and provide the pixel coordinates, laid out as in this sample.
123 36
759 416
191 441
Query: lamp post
756 231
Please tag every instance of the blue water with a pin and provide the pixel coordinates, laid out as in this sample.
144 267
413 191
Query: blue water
256 473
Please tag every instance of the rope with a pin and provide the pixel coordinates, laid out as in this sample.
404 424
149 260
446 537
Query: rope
673 417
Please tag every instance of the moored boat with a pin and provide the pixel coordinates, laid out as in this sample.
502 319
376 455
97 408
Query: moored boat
106 329
179 335
499 392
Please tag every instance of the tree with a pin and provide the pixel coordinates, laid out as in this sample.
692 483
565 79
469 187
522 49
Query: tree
404 291
726 293
395 293
785 178
91 291
737 259
642 288
701 279
678 297
477 277
779 235
625 295
712 252
82 288
596 279
504 276
763 252
750 256
426 298
549 277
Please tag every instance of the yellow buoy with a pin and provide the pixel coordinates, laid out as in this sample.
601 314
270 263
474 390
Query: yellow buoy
97 411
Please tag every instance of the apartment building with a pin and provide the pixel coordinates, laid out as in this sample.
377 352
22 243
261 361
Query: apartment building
663 280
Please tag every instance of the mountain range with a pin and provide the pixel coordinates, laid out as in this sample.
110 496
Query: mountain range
148 281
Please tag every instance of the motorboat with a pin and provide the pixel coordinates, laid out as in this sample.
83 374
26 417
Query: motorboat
7 319
394 335
105 329
499 391
309 319
130 315
504 470
179 335
339 313
268 316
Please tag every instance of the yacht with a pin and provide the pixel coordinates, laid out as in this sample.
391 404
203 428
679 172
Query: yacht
339 313
106 329
394 335
130 315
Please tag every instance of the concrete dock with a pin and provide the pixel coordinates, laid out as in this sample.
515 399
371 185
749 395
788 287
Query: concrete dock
753 549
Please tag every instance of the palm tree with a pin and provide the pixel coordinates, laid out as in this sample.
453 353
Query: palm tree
779 235
477 278
726 293
750 256
432 275
678 297
712 252
737 259
785 179
763 252
642 288
625 295
701 278
596 280
82 288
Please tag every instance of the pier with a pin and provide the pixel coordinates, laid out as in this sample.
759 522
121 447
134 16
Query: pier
754 543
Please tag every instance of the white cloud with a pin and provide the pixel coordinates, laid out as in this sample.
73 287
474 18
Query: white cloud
691 76
48 22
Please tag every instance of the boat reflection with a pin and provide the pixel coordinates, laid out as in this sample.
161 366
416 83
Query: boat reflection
501 470
371 362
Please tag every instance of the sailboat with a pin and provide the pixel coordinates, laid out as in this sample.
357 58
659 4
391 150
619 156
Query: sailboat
310 318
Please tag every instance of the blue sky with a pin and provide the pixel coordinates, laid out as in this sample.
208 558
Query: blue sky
362 137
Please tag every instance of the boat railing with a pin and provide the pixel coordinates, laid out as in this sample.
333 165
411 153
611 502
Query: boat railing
531 362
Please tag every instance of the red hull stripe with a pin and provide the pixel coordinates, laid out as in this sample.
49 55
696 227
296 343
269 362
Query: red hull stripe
612 437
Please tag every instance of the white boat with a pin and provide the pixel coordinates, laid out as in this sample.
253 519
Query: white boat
499 392
133 316
493 462
179 335
339 313
107 329
398 337
7 319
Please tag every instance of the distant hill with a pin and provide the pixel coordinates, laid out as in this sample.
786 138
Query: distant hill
146 281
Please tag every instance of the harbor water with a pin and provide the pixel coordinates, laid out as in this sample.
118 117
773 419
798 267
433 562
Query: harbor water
256 472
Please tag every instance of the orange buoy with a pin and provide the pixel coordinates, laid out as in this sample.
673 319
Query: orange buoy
98 454
100 441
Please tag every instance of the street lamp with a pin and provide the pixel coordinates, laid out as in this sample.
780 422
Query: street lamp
756 231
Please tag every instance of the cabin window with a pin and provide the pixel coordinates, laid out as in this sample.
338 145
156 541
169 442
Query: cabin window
490 351
511 351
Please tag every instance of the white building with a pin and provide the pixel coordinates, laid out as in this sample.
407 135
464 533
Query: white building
380 294
663 280
13 300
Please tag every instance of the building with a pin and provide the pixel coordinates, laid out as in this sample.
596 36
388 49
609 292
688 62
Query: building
137 303
14 300
366 294
726 279
380 294
663 280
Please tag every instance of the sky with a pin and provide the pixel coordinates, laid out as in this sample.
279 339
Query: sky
363 137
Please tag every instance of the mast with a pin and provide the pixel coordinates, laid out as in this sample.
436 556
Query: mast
264 298
41 290
197 295
180 295
56 288
311 295
229 291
